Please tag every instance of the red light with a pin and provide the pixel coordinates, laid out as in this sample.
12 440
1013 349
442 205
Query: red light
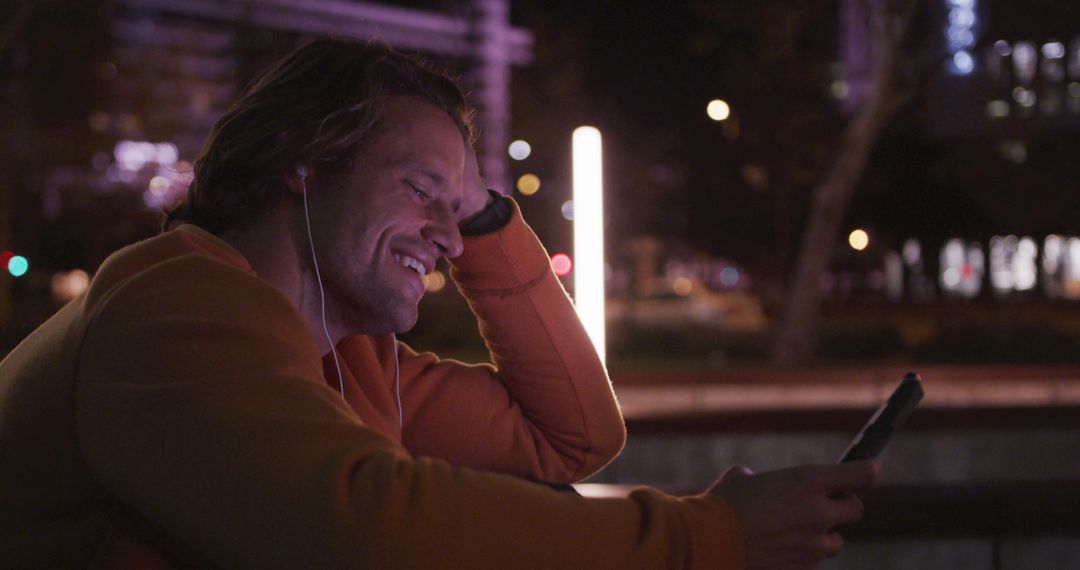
561 264
5 257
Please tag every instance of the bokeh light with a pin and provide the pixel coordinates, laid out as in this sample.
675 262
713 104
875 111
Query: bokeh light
159 186
519 150
18 265
718 110
682 286
567 210
528 184
963 63
840 89
435 281
997 109
858 239
729 277
68 285
561 264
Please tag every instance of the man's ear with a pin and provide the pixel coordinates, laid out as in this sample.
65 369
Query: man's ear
296 179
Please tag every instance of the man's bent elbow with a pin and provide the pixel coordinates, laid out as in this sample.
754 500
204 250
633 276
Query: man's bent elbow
605 445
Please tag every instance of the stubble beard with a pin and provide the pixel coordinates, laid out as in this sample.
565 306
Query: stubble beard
369 304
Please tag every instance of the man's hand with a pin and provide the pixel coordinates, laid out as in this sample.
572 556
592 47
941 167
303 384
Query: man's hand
790 516
474 194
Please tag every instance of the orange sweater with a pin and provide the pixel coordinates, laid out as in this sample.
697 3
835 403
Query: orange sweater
178 412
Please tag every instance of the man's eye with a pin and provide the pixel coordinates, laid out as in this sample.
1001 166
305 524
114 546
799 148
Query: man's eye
420 193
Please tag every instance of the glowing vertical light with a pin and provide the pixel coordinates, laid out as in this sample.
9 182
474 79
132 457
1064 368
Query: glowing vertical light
589 234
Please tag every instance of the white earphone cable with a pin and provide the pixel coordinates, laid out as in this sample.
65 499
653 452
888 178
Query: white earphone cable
322 295
397 384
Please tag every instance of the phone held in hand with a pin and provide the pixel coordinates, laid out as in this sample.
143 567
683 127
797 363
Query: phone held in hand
888 418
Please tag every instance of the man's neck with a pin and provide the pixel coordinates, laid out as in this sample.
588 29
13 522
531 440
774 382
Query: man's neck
272 245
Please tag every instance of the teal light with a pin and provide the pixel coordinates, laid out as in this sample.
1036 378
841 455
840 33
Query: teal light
729 277
18 265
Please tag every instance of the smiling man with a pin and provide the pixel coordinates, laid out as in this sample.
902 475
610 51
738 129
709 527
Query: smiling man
231 394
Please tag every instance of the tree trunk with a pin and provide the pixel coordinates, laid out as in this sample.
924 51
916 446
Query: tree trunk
798 328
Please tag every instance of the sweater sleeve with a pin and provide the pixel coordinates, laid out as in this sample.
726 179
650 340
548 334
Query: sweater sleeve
546 409
200 406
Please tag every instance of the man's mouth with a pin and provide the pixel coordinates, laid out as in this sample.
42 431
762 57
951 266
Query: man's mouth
411 263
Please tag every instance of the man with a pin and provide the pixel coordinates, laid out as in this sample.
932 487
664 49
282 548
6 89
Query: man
230 393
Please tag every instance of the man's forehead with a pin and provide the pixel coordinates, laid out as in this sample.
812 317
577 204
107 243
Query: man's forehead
440 167
420 166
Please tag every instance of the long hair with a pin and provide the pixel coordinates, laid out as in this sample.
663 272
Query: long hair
316 106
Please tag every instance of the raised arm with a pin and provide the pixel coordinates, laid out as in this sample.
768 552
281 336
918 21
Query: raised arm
545 410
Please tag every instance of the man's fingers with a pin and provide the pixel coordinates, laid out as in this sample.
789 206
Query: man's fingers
850 477
844 510
834 543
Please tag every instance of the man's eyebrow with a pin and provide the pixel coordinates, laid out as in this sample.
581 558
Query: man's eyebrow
415 166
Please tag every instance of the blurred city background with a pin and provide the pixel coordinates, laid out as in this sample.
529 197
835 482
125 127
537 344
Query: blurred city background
803 200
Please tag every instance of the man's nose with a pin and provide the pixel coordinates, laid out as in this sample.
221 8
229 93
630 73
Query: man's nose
442 231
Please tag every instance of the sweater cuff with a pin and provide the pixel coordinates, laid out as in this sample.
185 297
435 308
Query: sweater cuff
716 536
491 218
508 259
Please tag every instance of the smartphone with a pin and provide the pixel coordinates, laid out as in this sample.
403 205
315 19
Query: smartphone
888 418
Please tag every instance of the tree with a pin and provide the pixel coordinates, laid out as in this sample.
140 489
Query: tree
892 23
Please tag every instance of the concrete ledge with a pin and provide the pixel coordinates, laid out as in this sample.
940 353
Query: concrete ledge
945 511
850 420
651 395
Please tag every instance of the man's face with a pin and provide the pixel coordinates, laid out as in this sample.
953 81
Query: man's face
390 219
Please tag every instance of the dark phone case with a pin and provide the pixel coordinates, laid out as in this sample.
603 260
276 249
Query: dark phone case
888 418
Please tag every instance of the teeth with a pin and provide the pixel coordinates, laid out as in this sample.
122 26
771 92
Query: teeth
411 263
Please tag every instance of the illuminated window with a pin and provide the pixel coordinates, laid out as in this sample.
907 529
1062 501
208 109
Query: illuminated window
912 253
1024 56
1053 50
960 35
1053 265
1024 267
894 276
962 269
997 109
1002 251
1012 264
1071 270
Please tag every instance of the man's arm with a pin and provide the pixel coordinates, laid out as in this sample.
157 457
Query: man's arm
200 405
546 409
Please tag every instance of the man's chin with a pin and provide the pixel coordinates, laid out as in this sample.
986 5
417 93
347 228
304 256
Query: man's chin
406 326
388 320
403 319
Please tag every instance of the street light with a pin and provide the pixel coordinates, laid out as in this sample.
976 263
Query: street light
589 234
